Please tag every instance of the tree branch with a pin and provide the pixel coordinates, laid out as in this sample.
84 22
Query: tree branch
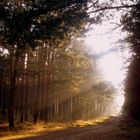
113 7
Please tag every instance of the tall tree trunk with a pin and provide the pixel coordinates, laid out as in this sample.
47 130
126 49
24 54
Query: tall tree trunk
132 95
22 98
12 91
36 110
4 98
1 92
26 98
50 60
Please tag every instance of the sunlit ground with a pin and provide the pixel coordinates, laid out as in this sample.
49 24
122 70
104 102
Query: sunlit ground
30 130
97 121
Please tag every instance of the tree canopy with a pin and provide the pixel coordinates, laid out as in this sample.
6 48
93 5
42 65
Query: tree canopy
25 23
131 24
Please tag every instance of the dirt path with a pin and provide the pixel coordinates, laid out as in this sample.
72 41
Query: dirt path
107 131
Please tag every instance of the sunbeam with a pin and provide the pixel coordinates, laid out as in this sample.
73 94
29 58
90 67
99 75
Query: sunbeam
109 59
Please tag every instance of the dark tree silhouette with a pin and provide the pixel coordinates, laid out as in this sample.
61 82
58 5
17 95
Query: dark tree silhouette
131 24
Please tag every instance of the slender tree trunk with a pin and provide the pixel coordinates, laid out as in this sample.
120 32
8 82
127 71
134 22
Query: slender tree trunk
36 111
12 91
26 98
50 60
4 98
22 97
1 92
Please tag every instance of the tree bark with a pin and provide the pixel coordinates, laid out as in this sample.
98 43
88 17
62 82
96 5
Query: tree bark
22 98
26 98
12 91
36 110
4 98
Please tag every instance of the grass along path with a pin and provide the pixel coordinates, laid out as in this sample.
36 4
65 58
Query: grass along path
27 129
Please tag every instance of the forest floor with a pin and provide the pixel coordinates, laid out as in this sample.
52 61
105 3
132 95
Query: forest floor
105 128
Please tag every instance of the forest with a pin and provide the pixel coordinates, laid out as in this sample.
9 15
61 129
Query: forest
46 70
59 84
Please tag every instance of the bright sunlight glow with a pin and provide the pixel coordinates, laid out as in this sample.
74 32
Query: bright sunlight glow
109 59
111 66
119 102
